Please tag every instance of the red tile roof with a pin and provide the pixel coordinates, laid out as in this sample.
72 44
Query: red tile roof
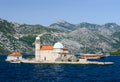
15 54
46 48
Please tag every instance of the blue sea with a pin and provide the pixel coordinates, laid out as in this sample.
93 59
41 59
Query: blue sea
10 72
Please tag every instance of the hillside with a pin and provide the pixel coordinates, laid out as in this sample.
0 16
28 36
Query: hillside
91 38
79 38
21 37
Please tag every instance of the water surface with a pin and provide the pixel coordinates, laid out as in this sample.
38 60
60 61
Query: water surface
60 73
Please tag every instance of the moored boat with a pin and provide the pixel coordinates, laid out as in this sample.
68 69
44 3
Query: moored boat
92 56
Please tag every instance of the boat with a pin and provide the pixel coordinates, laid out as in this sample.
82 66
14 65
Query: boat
92 56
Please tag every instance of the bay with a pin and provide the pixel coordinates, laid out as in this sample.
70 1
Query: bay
10 72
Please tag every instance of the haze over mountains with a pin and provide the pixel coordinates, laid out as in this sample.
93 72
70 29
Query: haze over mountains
79 38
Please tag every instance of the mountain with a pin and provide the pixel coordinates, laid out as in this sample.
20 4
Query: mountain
106 29
21 37
92 38
88 41
6 27
79 38
88 26
62 25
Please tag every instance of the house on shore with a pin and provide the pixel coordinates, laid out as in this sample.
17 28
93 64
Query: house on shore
14 56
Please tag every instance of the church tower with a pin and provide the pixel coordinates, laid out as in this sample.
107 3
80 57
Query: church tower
37 49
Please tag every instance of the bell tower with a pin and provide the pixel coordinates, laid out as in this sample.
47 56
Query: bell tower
37 49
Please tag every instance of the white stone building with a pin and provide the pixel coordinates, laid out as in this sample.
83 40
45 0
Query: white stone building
14 56
49 53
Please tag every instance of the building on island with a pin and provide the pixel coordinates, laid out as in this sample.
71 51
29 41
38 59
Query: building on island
14 56
49 53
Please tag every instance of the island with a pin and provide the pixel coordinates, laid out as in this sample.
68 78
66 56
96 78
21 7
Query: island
51 54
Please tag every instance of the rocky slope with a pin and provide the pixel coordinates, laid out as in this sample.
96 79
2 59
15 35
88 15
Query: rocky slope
21 37
92 38
79 38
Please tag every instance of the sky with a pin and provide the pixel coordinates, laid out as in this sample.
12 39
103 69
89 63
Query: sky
46 12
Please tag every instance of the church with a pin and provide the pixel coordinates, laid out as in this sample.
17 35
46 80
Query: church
49 53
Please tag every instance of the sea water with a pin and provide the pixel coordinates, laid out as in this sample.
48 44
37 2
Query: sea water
11 72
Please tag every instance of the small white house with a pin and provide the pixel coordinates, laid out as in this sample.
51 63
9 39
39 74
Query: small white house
14 56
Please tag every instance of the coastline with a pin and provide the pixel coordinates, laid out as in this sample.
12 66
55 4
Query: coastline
62 62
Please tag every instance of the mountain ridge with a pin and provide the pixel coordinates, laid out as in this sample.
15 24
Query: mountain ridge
79 38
